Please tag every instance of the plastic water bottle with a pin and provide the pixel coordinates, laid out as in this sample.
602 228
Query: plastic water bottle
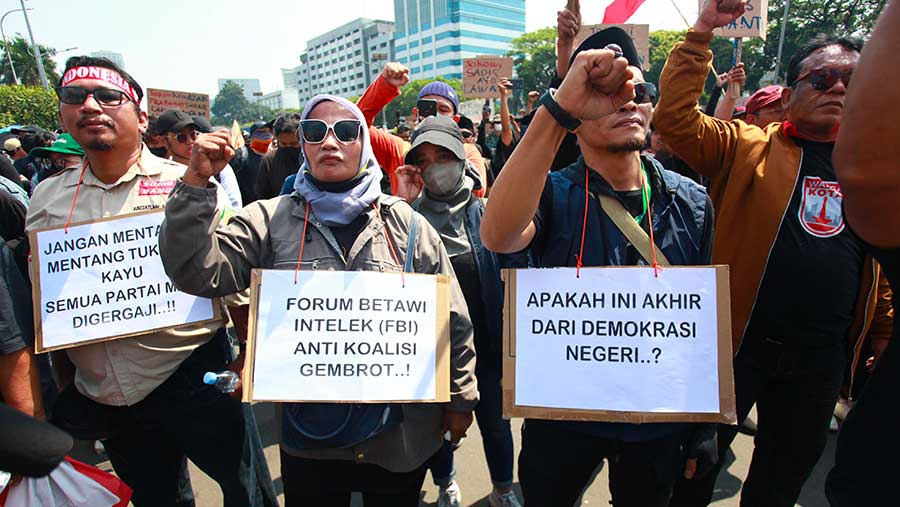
225 381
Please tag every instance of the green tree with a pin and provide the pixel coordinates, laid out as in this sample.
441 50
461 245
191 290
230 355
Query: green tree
409 95
29 105
534 58
230 104
23 61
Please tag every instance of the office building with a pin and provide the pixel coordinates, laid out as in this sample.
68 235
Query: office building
433 36
343 61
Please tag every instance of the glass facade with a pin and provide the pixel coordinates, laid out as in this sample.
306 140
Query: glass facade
438 34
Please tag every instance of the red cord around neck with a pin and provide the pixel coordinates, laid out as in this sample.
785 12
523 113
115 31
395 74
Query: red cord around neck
302 243
75 197
391 244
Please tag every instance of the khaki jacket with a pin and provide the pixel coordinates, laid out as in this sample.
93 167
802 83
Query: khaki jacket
204 260
752 174
123 371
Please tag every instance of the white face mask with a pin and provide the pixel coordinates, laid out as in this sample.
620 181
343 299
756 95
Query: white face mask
498 127
443 178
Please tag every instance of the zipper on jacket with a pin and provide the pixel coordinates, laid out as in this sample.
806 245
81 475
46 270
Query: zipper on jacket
862 331
769 255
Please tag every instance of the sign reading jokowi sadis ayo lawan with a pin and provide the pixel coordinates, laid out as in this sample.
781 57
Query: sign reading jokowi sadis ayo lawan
618 344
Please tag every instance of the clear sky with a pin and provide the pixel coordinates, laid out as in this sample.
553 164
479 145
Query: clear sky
189 44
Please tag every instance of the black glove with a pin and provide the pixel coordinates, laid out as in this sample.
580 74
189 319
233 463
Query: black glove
700 443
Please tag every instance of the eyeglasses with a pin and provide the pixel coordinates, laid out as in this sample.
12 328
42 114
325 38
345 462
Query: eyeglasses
315 131
825 79
645 93
76 95
182 137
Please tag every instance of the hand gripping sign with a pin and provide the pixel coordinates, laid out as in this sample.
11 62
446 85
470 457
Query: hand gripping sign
103 279
348 336
618 344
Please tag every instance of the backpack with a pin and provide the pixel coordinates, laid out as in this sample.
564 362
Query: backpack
342 425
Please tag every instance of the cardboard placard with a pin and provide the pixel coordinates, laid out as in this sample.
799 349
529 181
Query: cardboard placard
640 34
194 104
104 280
753 23
471 109
348 336
481 75
618 345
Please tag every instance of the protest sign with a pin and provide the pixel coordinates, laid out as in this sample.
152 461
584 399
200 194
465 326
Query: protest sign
618 344
471 109
103 280
194 104
640 34
353 336
481 75
753 23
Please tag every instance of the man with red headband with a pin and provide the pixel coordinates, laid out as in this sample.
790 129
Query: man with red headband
143 396
803 290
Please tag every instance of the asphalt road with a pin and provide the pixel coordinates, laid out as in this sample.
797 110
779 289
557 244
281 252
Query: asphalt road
472 474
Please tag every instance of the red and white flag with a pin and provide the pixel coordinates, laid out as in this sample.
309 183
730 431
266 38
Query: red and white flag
619 11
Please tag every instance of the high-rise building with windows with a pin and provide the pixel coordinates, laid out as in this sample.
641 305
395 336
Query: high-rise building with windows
343 61
432 37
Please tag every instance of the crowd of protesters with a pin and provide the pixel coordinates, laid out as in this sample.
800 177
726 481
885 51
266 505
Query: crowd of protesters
811 299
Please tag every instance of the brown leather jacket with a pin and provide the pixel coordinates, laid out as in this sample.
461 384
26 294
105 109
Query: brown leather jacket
752 175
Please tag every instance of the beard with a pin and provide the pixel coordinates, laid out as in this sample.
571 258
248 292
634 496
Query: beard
626 146
100 145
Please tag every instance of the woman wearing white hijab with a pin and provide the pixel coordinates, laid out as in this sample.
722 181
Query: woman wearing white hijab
327 450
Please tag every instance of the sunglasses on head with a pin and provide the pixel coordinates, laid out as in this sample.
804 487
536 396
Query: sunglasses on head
825 79
644 93
76 95
182 137
315 131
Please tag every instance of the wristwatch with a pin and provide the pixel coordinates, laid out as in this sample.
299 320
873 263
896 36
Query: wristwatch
566 120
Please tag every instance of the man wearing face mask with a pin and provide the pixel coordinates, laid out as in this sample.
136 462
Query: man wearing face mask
437 162
278 164
246 160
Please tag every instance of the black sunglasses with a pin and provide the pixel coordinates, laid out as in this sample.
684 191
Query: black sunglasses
76 95
182 138
315 131
825 79
465 133
645 93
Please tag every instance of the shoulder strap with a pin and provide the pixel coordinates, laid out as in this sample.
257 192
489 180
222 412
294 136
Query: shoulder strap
635 234
411 242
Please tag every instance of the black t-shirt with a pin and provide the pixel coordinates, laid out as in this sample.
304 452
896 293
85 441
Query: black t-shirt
812 278
246 176
347 234
12 217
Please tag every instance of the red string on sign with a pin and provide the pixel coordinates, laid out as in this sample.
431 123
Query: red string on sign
75 197
580 259
302 243
656 267
390 244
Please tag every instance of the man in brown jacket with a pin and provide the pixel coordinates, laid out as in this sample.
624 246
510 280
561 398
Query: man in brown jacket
803 288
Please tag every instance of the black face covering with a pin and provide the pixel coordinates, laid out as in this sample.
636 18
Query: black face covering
160 151
292 154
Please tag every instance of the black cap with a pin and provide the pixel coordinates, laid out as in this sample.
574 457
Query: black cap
173 120
440 131
611 35
258 125
202 124
466 123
